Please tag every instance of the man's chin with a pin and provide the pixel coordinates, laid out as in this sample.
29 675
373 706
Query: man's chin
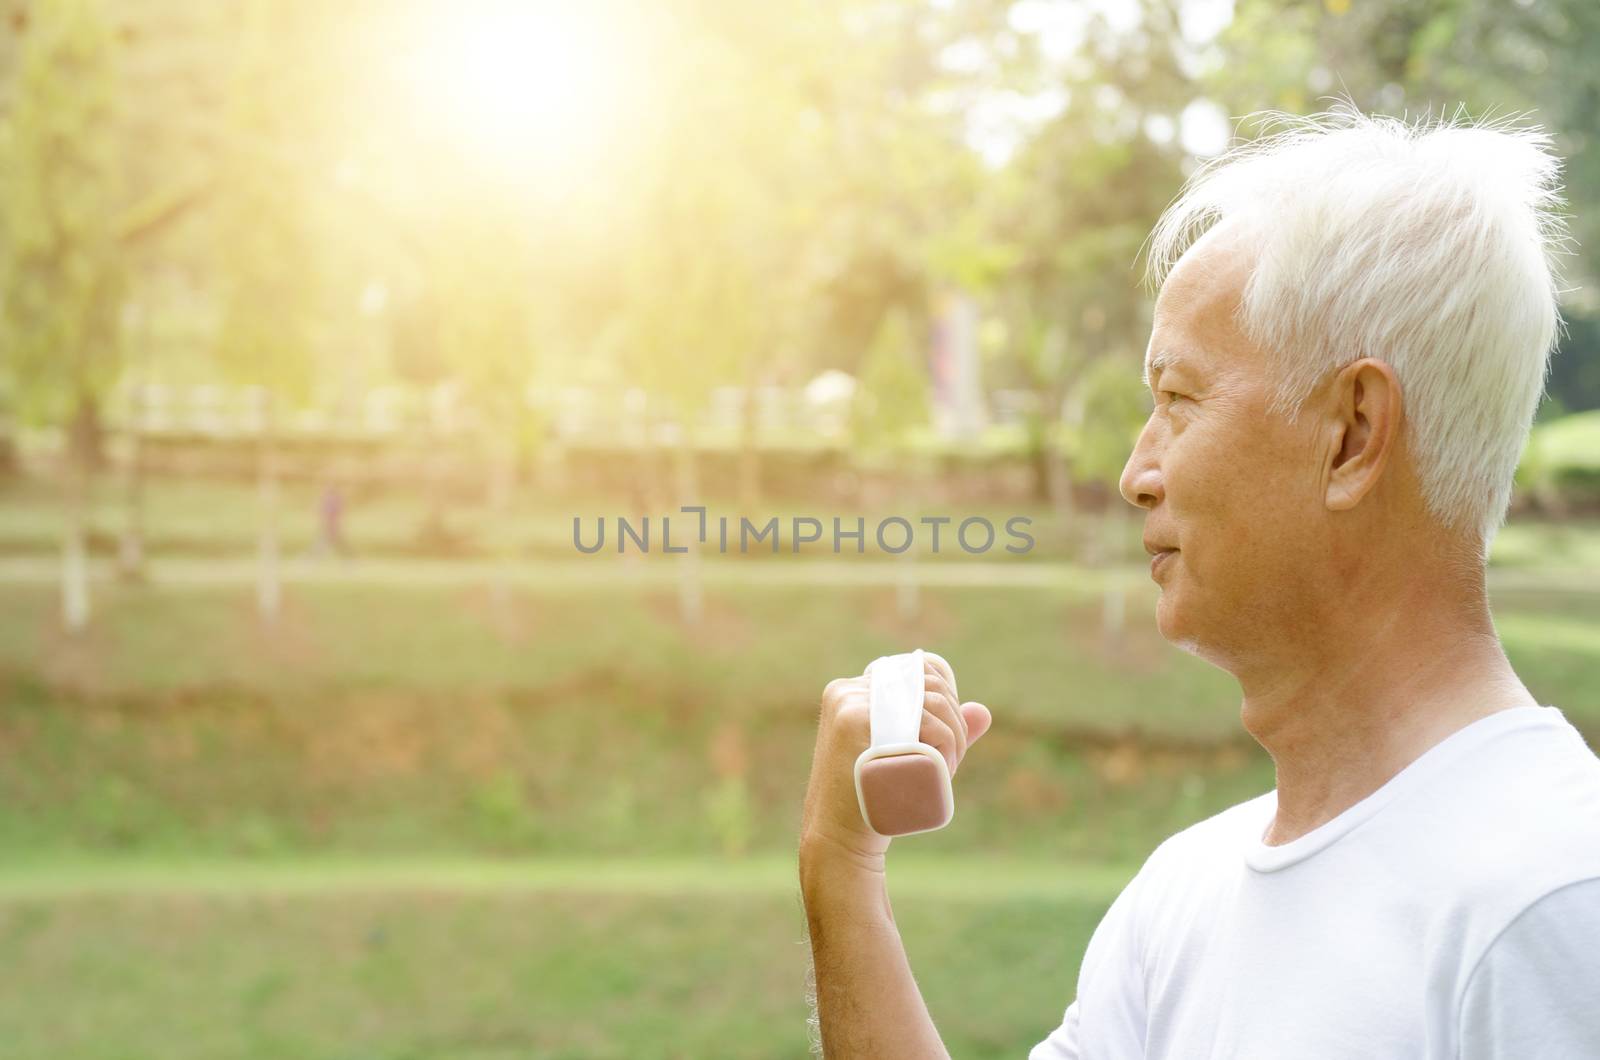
1168 617
1173 620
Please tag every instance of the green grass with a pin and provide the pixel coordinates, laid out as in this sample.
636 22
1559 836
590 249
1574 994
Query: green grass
393 719
489 961
589 720
1037 656
914 872
386 774
1023 650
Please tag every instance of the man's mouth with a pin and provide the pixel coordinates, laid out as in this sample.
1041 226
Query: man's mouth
1158 559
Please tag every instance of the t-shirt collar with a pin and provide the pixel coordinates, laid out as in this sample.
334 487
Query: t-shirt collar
1263 858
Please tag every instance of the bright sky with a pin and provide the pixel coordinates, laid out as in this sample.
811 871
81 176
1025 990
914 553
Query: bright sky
524 87
520 86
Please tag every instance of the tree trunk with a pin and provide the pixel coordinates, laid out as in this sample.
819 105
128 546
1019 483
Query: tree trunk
502 497
130 550
1551 500
1039 455
552 470
691 588
269 579
435 530
749 455
9 465
1060 485
74 538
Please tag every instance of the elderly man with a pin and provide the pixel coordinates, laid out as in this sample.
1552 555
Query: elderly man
1345 365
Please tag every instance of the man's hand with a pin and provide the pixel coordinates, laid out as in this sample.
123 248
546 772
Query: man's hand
867 1001
832 816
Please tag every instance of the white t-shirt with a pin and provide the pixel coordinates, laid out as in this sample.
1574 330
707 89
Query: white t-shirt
1453 914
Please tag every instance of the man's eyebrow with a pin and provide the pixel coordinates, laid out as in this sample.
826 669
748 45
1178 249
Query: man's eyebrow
1159 360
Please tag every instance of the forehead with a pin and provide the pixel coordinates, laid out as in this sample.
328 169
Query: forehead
1195 324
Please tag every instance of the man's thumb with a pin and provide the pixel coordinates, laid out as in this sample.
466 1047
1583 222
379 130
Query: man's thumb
978 720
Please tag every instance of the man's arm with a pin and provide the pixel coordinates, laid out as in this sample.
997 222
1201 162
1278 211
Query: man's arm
868 1002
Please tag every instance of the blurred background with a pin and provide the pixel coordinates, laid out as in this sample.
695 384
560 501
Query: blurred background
321 324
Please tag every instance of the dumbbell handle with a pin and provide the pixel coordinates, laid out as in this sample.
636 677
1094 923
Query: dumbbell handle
902 784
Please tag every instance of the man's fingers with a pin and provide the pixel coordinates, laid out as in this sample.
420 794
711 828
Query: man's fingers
935 733
948 724
936 683
978 719
932 661
936 704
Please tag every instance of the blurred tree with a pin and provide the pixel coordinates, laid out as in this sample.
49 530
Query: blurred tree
890 403
687 274
166 61
1077 201
1109 407
1039 352
892 400
60 274
485 298
731 210
267 260
1538 474
894 203
416 357
718 274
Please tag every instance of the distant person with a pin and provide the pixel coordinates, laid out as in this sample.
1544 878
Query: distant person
330 521
1345 365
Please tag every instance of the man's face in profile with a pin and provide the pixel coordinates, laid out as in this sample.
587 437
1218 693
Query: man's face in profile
1234 490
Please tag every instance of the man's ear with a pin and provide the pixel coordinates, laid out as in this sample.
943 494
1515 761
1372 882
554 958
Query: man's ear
1364 419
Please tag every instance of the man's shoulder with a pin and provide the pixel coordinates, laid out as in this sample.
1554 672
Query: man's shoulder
1222 835
1510 824
1532 796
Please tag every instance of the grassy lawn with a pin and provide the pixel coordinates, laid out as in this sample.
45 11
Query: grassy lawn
1039 657
488 960
427 719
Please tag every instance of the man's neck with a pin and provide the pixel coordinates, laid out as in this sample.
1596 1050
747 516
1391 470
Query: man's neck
1365 702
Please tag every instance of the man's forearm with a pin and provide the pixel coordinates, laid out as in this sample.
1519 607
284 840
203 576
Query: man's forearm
867 1000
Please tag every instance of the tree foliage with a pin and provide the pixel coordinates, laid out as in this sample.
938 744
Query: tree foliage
893 397
60 271
800 177
265 252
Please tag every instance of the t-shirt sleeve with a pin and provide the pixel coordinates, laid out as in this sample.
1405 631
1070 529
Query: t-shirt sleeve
1110 993
1064 1042
1536 992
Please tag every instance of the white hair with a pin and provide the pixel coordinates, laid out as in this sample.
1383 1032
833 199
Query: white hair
1431 245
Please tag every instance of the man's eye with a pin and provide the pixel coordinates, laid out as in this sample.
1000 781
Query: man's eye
1170 396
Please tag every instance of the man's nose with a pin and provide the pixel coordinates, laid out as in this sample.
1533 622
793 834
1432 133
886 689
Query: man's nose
1140 484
